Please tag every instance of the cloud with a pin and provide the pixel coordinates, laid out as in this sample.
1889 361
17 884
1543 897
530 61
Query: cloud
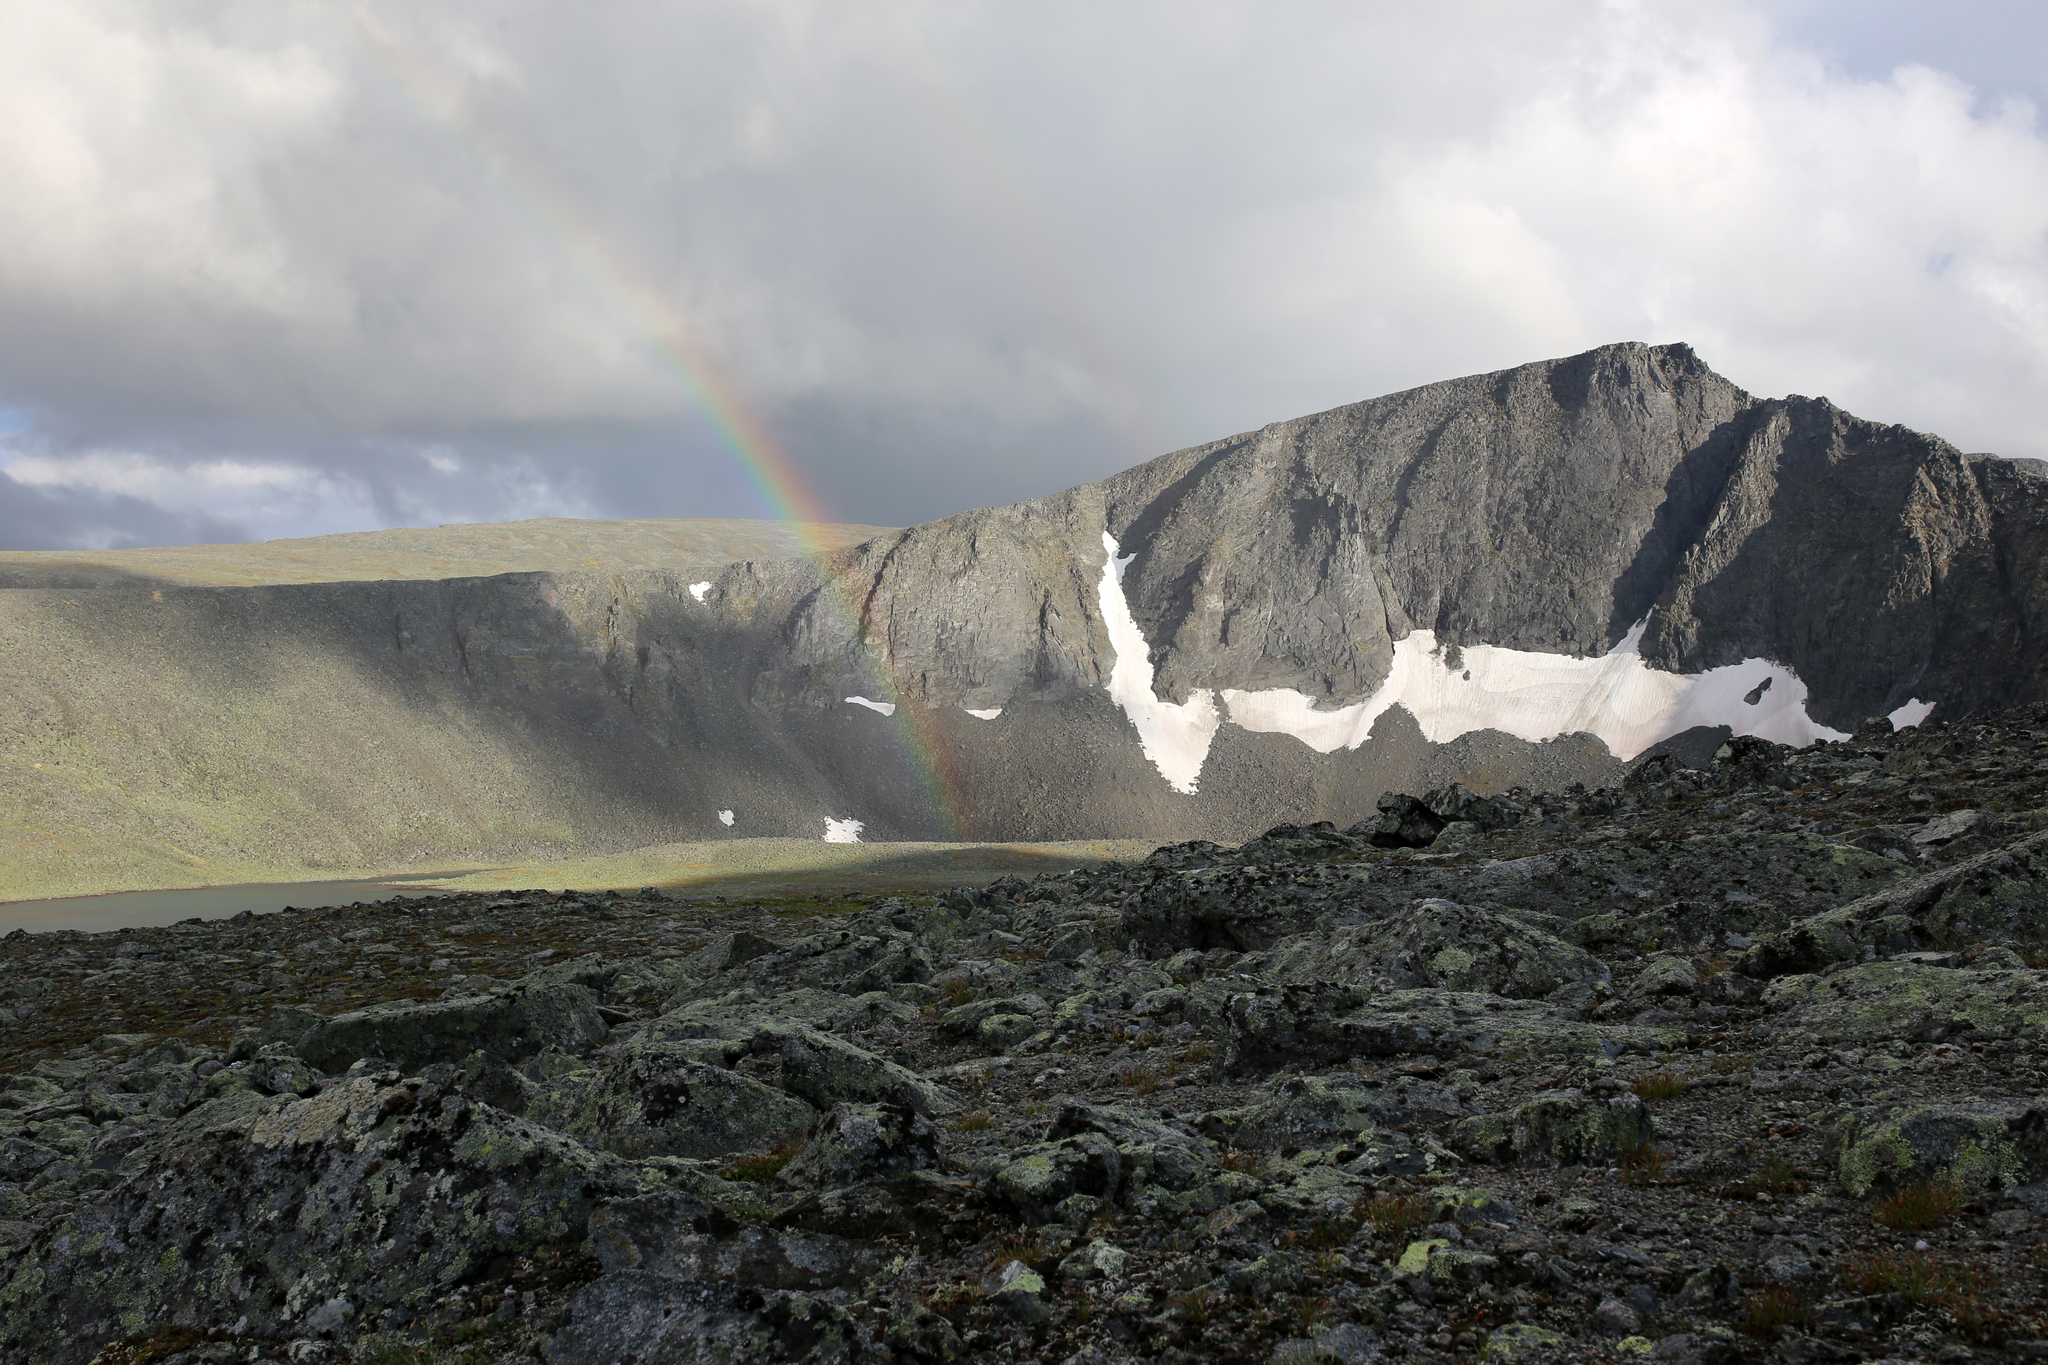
33 518
299 268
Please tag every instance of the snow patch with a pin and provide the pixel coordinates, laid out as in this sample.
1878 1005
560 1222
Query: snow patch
887 708
989 714
1533 696
1175 736
697 590
725 818
1911 714
842 831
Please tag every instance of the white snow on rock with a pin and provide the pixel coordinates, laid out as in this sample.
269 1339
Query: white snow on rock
989 714
887 708
1534 696
1911 714
725 818
842 831
1175 736
697 590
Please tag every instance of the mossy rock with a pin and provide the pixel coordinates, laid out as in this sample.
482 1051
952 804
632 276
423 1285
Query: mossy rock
1880 1001
1977 1144
1556 1128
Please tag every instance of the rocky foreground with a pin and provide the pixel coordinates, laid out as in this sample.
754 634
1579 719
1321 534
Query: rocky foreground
1735 1063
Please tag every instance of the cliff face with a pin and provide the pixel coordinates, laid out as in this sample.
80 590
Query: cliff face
1525 576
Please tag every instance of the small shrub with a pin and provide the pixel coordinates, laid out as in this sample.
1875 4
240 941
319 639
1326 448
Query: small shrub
1765 1311
1020 1246
763 1168
1925 1280
975 1121
1643 1166
1310 1314
1201 1050
1197 1306
957 992
1397 1215
1919 1205
1661 1085
1145 1081
1249 1163
1778 1175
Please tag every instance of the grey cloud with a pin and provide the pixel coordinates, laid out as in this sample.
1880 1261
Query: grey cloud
514 258
70 519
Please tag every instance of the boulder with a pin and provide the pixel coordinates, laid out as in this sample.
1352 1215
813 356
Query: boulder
1324 1024
1440 944
1555 1128
1883 1001
828 1071
655 1099
509 1024
862 1142
1979 1145
634 1315
2000 896
366 1192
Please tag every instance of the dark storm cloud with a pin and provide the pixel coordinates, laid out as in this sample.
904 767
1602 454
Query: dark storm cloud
309 268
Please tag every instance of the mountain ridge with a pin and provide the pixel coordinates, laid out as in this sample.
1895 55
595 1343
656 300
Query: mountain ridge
1437 585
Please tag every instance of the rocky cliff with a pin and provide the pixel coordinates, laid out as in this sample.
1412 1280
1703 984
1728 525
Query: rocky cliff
1522 577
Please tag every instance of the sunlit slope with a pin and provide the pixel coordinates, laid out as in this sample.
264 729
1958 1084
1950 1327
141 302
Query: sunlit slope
464 551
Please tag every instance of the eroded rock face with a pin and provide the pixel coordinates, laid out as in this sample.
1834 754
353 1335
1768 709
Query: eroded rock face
1305 1094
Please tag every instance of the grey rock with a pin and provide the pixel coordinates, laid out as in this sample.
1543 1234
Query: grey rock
1613 1318
861 1142
828 1071
1978 1145
1562 1127
508 1024
1018 1291
654 1099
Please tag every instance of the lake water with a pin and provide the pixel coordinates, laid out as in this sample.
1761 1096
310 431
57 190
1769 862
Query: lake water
141 909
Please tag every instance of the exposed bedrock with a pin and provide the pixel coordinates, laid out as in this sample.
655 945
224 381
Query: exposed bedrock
1565 551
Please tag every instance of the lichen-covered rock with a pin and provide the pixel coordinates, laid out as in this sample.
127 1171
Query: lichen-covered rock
655 1099
635 1315
828 1071
1094 1259
1326 1024
1665 974
861 1142
1556 1128
1881 1001
1440 944
1306 1111
2000 895
1038 1179
263 1209
1979 1145
1019 1292
543 1011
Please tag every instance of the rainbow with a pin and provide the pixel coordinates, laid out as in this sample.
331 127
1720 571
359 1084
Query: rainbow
774 479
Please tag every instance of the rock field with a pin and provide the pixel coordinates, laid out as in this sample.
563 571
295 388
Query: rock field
1734 1063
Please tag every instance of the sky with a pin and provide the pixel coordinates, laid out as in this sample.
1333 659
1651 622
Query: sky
275 269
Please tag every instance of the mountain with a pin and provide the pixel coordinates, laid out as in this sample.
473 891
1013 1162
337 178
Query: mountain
1525 577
